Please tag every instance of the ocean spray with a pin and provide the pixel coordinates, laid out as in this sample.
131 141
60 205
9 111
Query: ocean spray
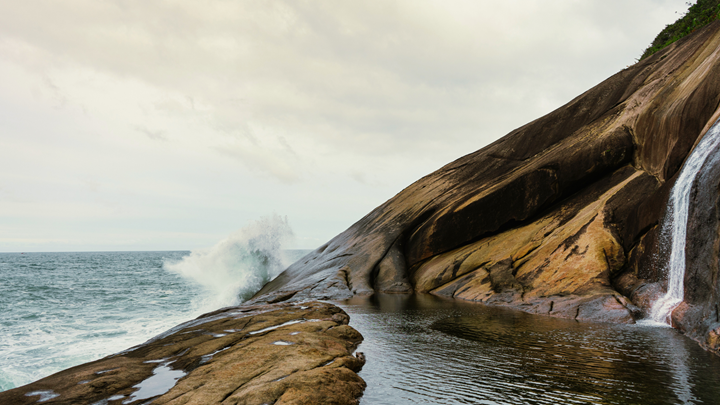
239 265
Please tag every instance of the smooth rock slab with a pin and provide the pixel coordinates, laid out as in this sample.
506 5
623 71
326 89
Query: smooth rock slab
549 218
229 356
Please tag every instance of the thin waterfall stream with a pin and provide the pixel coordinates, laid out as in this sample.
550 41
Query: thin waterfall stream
675 225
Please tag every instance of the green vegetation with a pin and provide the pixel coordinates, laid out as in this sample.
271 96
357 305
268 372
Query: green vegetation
701 13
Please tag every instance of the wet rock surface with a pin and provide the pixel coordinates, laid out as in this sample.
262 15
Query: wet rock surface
559 217
274 354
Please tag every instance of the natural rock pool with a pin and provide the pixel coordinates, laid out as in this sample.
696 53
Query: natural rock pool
423 349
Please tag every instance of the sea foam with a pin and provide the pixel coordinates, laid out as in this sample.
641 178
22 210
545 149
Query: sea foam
239 265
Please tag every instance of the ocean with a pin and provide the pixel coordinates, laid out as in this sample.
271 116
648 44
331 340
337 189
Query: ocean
58 310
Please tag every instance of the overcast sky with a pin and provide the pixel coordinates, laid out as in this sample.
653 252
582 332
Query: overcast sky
168 125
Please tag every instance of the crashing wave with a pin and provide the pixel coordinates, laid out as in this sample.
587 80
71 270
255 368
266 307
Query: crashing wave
239 265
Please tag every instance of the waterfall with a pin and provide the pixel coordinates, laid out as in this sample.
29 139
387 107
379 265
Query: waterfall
675 225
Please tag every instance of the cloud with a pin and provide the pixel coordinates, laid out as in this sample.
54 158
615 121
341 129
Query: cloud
359 177
264 161
157 135
351 74
241 105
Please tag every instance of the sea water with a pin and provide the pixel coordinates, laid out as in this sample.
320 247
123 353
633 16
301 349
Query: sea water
58 310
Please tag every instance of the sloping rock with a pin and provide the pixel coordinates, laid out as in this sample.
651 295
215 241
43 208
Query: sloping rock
558 217
274 354
551 266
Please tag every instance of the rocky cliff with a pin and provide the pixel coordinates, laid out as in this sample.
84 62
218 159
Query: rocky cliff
559 217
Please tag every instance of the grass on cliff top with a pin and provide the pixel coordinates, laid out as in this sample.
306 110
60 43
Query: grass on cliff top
701 13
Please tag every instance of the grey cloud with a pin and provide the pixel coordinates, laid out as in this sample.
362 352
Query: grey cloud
332 95
264 161
364 69
359 177
92 185
156 135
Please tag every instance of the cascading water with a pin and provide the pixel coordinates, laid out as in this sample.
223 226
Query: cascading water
675 225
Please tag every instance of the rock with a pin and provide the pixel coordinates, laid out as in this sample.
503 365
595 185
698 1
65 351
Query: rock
713 339
275 354
641 292
550 218
391 277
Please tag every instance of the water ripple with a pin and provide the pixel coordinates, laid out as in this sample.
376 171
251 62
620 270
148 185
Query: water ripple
427 350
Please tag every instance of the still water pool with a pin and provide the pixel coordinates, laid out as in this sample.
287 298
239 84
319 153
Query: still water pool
428 350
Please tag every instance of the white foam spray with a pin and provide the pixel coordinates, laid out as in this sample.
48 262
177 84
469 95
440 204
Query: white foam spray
674 226
238 266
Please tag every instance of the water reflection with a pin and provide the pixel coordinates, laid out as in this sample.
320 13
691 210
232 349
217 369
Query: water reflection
423 349
679 360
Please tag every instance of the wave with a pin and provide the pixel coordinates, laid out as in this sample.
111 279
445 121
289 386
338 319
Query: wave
239 265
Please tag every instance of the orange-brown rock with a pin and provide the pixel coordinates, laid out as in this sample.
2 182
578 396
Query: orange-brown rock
563 257
547 219
274 354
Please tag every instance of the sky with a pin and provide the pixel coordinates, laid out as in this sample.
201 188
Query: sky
169 125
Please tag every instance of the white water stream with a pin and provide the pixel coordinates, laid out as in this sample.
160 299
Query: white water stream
675 226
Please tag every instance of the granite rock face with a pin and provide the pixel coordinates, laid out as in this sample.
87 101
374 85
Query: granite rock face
559 217
274 354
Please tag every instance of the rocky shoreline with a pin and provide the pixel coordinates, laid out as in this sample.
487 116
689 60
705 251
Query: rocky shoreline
560 217
254 354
